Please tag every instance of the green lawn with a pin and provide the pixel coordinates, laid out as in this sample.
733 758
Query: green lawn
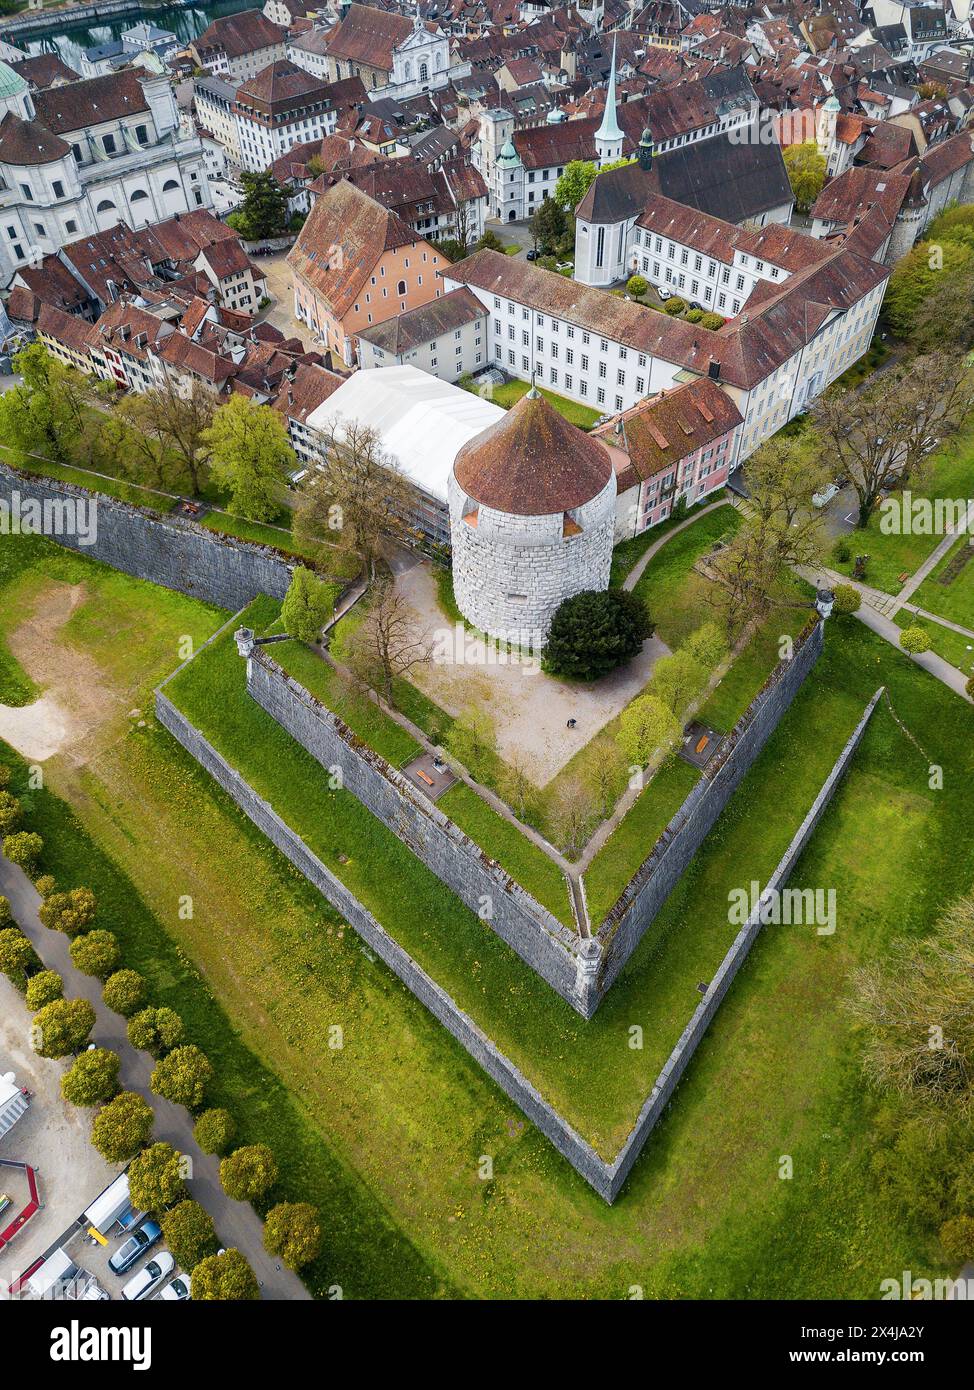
952 646
674 594
512 391
949 473
955 599
386 1135
627 553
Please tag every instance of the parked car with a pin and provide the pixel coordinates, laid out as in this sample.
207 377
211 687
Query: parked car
176 1290
823 498
142 1239
149 1277
295 479
664 293
532 255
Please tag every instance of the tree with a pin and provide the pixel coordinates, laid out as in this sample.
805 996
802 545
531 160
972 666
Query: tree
307 606
472 740
915 640
251 456
957 1239
706 645
575 814
151 430
125 992
189 1233
263 212
593 633
933 268
677 679
636 286
155 1030
806 173
93 1077
847 598
156 1178
916 1163
11 813
293 1232
548 224
608 772
248 1172
385 646
122 1127
358 496
227 1277
16 956
645 727
62 1027
70 912
182 1076
489 241
48 413
24 846
916 1010
214 1131
577 179
96 953
44 988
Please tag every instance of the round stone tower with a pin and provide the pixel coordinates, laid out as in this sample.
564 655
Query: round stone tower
532 517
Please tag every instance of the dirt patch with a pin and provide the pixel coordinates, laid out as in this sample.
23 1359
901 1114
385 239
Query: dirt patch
76 702
530 710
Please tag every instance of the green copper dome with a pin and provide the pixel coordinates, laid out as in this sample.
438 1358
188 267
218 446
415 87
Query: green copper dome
508 156
11 83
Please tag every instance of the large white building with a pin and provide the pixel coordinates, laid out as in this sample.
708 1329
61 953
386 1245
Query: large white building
81 157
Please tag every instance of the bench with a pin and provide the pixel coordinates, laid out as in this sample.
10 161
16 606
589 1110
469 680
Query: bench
428 780
702 743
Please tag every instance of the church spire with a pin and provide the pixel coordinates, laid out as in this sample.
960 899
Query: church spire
608 137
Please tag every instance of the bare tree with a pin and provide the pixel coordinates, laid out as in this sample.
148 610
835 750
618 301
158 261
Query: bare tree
575 814
357 496
517 785
884 431
386 646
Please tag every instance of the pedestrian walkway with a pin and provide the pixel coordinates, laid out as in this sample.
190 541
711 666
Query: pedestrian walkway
933 560
237 1224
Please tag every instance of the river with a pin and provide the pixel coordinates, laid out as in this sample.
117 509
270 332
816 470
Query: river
185 21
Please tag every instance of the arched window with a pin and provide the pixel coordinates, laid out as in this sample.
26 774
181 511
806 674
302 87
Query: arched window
106 205
424 72
401 287
139 195
169 185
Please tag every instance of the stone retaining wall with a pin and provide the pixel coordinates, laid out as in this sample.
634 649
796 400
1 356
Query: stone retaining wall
651 885
548 947
171 551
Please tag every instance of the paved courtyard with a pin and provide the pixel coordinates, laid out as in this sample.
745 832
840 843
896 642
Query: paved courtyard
530 710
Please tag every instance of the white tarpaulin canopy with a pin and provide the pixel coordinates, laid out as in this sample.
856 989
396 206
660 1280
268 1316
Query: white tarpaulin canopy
423 422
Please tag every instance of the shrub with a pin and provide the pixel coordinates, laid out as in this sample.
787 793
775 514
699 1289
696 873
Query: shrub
914 640
227 1277
645 726
706 645
62 1027
693 315
11 813
44 988
956 1238
70 912
156 1178
675 306
155 1030
125 992
16 956
678 679
637 286
592 633
847 598
712 321
307 606
969 687
214 1131
93 1078
189 1233
247 1173
23 848
5 913
96 953
293 1231
122 1127
5 775
182 1076
45 885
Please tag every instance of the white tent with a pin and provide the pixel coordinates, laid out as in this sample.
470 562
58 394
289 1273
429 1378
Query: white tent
423 422
13 1103
109 1205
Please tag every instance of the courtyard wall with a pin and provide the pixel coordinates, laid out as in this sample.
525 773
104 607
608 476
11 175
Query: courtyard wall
171 551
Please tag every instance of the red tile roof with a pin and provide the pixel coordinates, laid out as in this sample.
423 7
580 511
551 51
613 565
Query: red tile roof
91 102
656 434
